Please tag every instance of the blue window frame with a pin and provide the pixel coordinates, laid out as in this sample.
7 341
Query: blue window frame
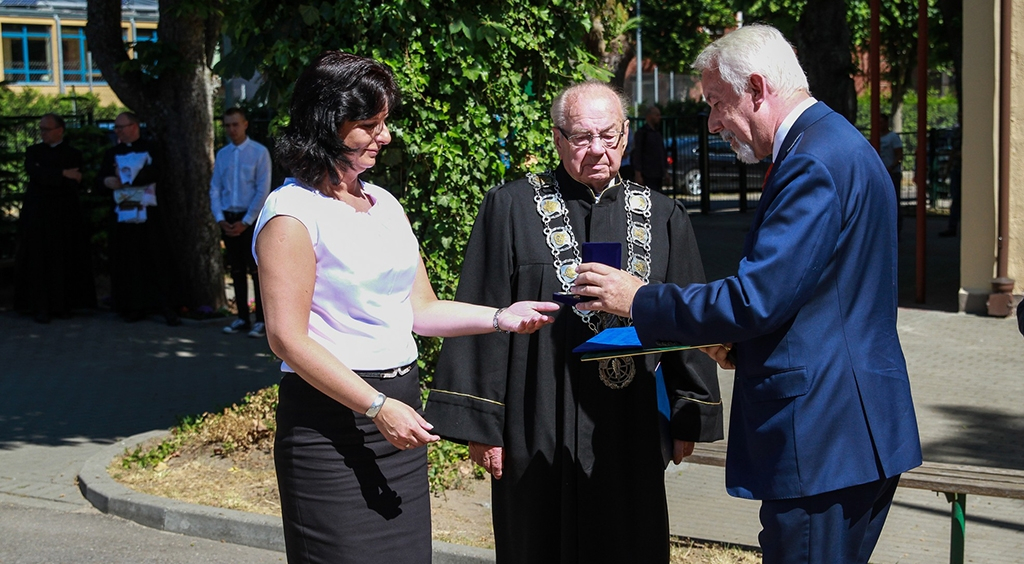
75 52
27 53
145 34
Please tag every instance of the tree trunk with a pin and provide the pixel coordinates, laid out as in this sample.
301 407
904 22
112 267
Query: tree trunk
824 49
175 101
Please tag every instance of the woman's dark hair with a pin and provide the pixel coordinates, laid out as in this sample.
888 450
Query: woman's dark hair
336 88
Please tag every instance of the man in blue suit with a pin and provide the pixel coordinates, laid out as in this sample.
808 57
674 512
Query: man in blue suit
822 421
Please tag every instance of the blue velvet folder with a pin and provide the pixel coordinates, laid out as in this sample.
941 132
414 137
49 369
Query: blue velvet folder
622 341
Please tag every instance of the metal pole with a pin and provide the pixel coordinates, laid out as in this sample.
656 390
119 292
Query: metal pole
671 85
639 65
656 84
1005 76
922 142
88 68
876 82
958 527
60 55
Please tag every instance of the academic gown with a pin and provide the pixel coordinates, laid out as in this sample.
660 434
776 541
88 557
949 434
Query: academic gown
53 260
584 464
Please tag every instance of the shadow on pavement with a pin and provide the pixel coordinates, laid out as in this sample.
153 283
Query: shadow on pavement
978 431
95 378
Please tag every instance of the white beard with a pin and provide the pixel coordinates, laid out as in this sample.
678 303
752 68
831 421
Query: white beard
744 152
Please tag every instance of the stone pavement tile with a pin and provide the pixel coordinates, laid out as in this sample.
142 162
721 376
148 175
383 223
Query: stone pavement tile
73 386
916 532
968 382
967 377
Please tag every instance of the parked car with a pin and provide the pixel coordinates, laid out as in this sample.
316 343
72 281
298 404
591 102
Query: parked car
723 166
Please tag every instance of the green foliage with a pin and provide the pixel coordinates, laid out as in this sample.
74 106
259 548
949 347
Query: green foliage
139 458
30 102
20 112
246 425
898 23
447 464
690 114
942 111
673 32
477 80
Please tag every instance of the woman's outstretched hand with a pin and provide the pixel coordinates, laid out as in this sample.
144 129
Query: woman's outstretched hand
526 317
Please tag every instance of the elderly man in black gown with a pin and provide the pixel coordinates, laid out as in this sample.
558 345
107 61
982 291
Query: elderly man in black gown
577 450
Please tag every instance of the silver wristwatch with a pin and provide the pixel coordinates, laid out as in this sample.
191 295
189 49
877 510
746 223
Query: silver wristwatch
378 402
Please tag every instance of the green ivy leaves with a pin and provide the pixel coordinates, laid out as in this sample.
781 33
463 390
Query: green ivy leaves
467 121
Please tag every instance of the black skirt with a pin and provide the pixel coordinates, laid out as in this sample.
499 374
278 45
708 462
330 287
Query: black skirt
348 495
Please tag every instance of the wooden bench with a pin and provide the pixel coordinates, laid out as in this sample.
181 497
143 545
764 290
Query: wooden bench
956 481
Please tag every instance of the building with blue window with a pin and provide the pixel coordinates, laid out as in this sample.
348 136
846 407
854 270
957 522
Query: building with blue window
43 45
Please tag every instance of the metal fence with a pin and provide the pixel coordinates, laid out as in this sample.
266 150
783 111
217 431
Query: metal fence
703 170
943 169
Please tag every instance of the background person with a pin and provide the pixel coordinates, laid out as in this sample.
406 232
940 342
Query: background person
238 189
648 154
344 288
577 450
822 421
53 268
140 276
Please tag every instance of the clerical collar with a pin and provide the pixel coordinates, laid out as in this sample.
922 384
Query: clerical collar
566 180
52 145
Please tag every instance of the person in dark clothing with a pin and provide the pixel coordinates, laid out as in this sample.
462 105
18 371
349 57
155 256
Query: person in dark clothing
53 272
140 276
822 420
577 450
649 152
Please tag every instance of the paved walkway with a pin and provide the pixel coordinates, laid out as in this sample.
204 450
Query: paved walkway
71 389
967 378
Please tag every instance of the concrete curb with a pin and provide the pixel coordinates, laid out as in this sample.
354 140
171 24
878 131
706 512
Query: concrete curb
227 525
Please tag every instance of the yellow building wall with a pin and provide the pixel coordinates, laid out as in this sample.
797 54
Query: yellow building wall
101 89
1015 247
979 220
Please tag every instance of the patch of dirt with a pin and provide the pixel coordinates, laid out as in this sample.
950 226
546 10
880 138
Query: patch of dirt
245 481
225 460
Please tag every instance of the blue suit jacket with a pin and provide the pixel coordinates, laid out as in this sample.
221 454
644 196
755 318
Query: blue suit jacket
821 399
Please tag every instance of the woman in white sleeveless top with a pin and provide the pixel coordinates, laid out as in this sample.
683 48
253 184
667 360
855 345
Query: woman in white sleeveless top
344 288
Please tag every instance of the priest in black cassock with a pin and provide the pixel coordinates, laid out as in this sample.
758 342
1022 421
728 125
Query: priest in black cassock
53 272
577 450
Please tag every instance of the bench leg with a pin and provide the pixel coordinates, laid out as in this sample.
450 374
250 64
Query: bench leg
958 511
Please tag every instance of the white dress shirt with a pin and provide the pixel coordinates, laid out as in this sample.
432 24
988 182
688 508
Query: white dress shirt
241 180
787 124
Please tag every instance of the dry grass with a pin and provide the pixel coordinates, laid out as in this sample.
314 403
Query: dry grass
225 460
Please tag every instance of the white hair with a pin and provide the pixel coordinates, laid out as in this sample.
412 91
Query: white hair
755 49
570 96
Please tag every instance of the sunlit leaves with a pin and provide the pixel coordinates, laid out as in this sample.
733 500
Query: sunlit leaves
466 123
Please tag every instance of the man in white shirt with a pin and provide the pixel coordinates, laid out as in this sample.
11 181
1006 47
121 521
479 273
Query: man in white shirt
238 188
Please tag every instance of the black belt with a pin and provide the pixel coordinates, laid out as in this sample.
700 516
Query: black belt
385 374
